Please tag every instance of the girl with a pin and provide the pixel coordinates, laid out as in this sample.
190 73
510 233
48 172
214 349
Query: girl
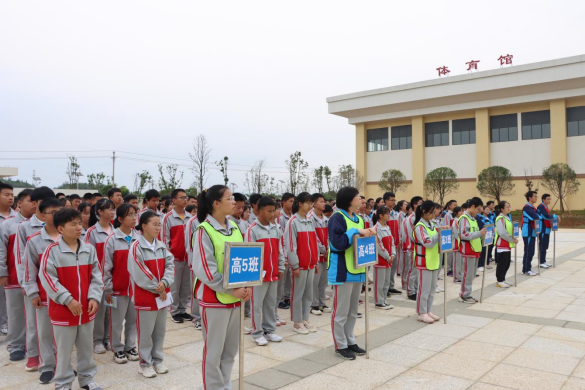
457 260
220 308
117 284
346 280
505 241
151 269
84 208
386 255
427 260
400 208
246 213
99 219
300 242
407 248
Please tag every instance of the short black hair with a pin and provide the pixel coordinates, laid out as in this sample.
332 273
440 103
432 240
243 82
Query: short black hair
176 191
23 194
465 205
148 195
192 197
95 195
344 197
475 201
316 196
530 194
489 203
328 209
5 186
254 198
415 200
456 209
113 190
265 201
388 195
66 214
42 193
130 197
87 196
238 197
81 208
165 197
286 196
74 196
190 208
544 196
48 203
58 194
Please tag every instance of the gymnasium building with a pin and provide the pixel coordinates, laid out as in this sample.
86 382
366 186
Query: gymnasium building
522 117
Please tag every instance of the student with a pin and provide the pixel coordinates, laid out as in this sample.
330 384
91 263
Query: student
238 211
173 236
390 203
300 241
17 339
427 260
264 296
505 242
131 199
190 228
530 218
457 261
400 208
470 247
151 201
87 198
379 202
406 247
117 285
276 216
85 210
320 278
416 201
192 200
328 211
254 198
220 308
32 286
546 228
100 216
284 284
75 201
246 214
71 276
151 269
386 256
60 195
363 213
483 219
346 280
6 211
448 221
115 195
95 197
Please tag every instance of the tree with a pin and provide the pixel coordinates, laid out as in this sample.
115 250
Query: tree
96 180
170 178
200 158
495 182
318 179
328 178
441 181
392 180
73 172
223 166
561 180
530 186
296 170
141 179
255 180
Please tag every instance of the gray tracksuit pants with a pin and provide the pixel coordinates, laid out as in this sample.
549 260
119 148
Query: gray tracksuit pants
102 322
427 282
284 285
381 284
46 344
67 337
264 308
302 295
320 285
457 266
195 311
16 338
181 289
32 337
450 256
469 270
412 276
346 299
407 264
124 312
151 327
399 261
3 312
221 333
393 268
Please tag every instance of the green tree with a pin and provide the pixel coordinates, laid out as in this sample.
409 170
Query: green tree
297 171
170 178
73 172
392 180
96 180
223 166
318 176
561 180
495 182
141 179
441 181
328 178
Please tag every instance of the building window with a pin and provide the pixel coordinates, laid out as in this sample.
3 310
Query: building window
575 121
536 125
437 134
377 140
504 128
402 137
464 131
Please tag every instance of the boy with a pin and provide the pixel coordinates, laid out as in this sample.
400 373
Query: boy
320 279
264 296
35 247
95 197
530 218
389 200
173 236
71 276
240 200
254 198
151 200
190 228
470 247
546 228
131 199
115 195
6 211
75 201
285 284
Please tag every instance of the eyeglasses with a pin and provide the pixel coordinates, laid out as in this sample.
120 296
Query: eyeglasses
182 197
156 224
51 212
230 198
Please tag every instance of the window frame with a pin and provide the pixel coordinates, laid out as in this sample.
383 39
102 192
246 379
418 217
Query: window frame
378 140
577 113
531 130
496 133
437 133
402 135
460 133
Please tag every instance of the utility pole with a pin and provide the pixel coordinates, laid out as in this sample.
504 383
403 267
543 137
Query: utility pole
113 167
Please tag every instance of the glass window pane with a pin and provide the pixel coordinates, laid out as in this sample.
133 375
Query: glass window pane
456 138
464 137
472 137
436 139
429 141
370 146
395 143
581 127
495 135
526 133
536 131
402 143
546 130
513 134
572 129
445 139
409 142
504 134
385 144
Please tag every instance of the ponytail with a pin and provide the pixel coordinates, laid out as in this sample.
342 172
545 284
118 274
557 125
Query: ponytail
382 210
206 198
102 204
426 207
500 207
303 197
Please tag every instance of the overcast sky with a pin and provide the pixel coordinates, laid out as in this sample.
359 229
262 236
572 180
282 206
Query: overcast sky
252 76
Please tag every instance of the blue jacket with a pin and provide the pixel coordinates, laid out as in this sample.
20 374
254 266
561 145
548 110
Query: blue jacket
340 239
529 217
542 211
492 217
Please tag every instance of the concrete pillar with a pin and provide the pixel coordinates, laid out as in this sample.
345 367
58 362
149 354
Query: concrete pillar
418 155
361 149
482 139
558 131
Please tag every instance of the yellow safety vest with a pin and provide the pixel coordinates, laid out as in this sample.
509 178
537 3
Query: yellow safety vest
349 251
473 227
431 258
509 229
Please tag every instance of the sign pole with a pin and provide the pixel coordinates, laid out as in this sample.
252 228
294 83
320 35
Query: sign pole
554 248
516 265
367 317
242 318
445 288
483 274
538 252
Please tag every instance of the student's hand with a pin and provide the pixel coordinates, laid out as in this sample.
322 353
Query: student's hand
74 307
92 307
163 295
280 275
316 270
36 302
160 287
515 241
4 281
365 232
23 292
108 299
297 273
483 231
285 264
241 293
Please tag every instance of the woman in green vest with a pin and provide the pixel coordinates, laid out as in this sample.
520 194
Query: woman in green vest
426 260
505 242
220 308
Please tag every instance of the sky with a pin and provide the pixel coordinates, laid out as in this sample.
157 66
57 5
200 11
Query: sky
146 77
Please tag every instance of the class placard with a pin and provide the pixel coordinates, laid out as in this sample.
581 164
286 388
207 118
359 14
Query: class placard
555 224
445 239
365 252
243 264
489 235
516 229
537 226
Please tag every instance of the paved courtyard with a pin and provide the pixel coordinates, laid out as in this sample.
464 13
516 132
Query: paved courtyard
526 337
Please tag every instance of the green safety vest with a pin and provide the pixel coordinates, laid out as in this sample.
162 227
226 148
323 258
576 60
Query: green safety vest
349 251
431 258
218 240
476 242
509 229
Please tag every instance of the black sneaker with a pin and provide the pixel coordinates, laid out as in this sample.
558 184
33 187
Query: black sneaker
357 350
389 294
132 355
186 316
120 357
46 377
17 356
345 353
197 324
177 319
394 291
359 315
412 297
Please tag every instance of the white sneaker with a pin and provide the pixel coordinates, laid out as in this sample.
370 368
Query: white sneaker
100 349
261 341
509 284
300 328
530 273
273 337
439 289
4 329
160 368
480 269
316 311
544 265
502 285
309 327
247 330
147 371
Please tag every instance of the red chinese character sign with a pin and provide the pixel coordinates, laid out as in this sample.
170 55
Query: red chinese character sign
443 71
472 65
506 60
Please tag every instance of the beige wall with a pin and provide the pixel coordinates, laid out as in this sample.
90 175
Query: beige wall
576 154
520 155
452 157
378 162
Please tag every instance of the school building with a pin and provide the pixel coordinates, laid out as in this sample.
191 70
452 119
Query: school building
522 117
